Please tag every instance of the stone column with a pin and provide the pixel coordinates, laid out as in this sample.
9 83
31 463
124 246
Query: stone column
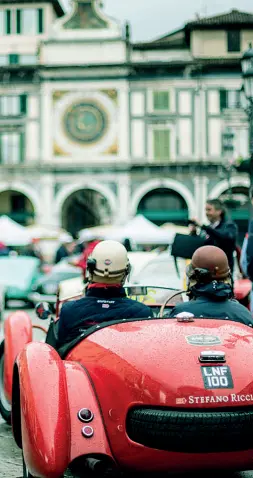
200 193
48 214
124 194
200 123
46 123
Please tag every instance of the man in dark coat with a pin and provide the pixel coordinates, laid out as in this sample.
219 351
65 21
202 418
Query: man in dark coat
210 289
247 252
220 232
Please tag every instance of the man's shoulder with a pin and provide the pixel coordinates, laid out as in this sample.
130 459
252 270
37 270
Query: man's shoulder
138 308
136 303
229 223
72 304
182 307
239 307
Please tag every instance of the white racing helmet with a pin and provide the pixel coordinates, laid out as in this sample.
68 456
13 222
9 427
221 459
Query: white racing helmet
108 263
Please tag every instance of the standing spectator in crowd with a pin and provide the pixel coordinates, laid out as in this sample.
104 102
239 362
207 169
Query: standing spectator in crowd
219 232
247 252
66 248
4 250
127 244
243 258
33 250
89 243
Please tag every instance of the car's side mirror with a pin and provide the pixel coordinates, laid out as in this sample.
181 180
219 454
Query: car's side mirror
43 310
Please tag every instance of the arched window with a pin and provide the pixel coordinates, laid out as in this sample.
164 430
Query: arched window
17 206
85 208
164 205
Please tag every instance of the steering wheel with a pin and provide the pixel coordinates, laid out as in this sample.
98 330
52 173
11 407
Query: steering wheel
180 292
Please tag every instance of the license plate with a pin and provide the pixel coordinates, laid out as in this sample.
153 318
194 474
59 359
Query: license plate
217 377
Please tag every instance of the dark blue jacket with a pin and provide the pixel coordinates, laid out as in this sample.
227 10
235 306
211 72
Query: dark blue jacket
99 305
214 301
61 253
224 236
249 251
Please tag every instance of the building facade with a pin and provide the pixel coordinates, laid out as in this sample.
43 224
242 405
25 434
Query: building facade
94 128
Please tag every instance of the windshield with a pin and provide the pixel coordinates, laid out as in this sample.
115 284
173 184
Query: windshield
161 272
154 295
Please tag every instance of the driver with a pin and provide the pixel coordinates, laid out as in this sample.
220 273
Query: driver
210 288
108 267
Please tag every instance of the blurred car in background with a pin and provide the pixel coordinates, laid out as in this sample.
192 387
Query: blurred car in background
139 259
46 287
17 276
162 271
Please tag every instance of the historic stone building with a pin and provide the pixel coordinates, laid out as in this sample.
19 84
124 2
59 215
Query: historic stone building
94 129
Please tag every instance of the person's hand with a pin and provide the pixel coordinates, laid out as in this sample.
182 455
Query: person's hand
72 262
193 223
192 229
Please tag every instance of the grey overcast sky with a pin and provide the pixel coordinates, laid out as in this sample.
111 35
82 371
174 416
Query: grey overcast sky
153 18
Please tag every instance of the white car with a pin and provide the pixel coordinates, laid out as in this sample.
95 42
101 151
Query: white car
162 271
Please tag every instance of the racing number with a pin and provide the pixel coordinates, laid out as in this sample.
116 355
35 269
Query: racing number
217 377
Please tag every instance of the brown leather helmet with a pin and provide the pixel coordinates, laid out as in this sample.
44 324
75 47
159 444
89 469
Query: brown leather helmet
209 263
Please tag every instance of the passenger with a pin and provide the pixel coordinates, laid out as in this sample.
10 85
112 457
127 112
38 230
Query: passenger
105 299
210 288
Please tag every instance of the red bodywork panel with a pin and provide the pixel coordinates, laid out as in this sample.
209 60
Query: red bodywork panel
151 363
81 394
17 333
52 393
45 420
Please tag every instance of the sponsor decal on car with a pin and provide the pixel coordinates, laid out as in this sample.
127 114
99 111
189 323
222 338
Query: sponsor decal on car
181 401
203 340
231 398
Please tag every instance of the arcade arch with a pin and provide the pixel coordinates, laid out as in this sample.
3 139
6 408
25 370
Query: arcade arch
173 191
18 206
85 207
164 201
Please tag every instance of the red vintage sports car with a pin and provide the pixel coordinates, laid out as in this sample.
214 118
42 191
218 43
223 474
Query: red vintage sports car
143 394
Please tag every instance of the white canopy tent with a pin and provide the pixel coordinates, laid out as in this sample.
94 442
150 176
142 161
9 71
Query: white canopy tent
101 232
12 233
141 231
38 231
175 229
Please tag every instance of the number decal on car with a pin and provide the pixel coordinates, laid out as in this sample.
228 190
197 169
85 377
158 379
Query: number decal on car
217 377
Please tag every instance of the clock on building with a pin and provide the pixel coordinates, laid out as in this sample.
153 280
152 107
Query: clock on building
85 122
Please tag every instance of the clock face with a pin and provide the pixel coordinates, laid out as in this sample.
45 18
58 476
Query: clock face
85 122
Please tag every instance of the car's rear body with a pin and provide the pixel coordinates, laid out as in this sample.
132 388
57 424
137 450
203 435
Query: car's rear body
157 407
